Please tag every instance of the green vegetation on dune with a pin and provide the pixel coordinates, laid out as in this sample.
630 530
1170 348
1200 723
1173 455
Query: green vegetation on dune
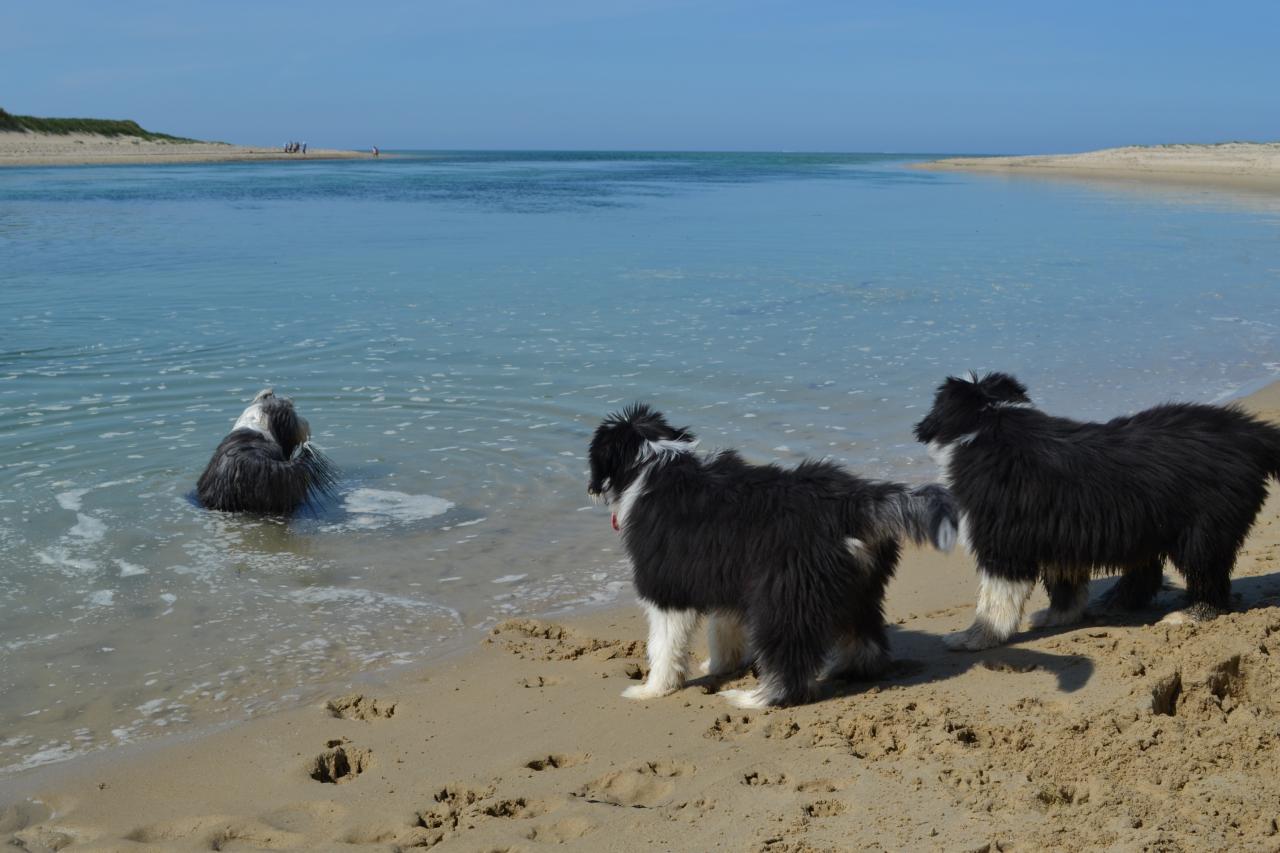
100 126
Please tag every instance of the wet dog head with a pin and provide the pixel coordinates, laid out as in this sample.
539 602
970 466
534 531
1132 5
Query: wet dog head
960 404
627 440
276 418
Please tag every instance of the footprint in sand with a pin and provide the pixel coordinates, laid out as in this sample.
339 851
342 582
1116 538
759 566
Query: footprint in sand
218 832
557 761
757 778
1008 666
357 706
341 762
644 786
825 808
305 817
459 809
561 831
728 726
531 639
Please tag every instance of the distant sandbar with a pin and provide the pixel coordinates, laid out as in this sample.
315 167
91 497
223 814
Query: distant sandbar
22 148
1229 165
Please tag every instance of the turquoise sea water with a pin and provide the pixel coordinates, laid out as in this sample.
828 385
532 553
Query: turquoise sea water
454 325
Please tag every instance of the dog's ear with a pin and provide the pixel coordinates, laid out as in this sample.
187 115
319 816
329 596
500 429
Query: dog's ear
615 445
957 406
285 425
1003 388
633 413
964 392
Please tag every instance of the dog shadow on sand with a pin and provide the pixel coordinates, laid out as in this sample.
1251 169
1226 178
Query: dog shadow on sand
920 658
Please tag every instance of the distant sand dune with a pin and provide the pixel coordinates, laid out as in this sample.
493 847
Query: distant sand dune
40 149
1234 165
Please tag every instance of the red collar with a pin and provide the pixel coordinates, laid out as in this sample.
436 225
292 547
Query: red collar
615 522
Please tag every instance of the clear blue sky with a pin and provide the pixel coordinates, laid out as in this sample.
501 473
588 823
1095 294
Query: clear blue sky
829 76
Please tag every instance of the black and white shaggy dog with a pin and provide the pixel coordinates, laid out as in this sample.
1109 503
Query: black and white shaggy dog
1048 498
266 463
790 565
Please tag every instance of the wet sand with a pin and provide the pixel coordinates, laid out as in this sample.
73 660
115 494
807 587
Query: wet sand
1230 165
1119 734
81 149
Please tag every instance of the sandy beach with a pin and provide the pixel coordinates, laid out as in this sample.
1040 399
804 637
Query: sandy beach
1120 735
81 149
1228 165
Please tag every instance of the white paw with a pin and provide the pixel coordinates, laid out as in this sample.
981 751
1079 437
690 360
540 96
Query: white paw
748 700
1177 617
644 691
705 667
1050 618
973 639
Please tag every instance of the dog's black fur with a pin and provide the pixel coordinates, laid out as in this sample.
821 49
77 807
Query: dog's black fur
270 469
1049 498
767 546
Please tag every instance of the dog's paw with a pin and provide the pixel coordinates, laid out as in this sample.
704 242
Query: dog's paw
1050 618
1178 617
640 692
972 639
748 700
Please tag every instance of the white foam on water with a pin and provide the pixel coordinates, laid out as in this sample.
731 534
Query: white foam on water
102 598
510 578
128 570
88 528
62 559
48 755
14 645
354 597
379 507
71 500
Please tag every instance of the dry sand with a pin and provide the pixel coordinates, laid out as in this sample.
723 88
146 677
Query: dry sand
1118 734
79 149
1229 165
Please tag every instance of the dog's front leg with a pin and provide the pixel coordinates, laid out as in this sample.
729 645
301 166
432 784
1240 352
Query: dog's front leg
1000 603
670 633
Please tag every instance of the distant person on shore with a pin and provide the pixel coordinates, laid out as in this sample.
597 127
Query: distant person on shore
304 148
375 151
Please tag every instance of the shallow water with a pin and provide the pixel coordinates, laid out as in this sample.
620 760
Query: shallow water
453 326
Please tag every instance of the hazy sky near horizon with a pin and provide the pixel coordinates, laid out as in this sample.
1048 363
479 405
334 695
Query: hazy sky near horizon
656 74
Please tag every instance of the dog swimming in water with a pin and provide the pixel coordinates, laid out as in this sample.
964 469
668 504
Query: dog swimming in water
266 463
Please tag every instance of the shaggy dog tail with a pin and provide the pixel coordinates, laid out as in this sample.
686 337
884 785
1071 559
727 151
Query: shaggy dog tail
1263 443
927 515
1273 452
321 475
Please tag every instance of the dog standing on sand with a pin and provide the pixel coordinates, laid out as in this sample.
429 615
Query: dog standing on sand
790 566
1052 499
